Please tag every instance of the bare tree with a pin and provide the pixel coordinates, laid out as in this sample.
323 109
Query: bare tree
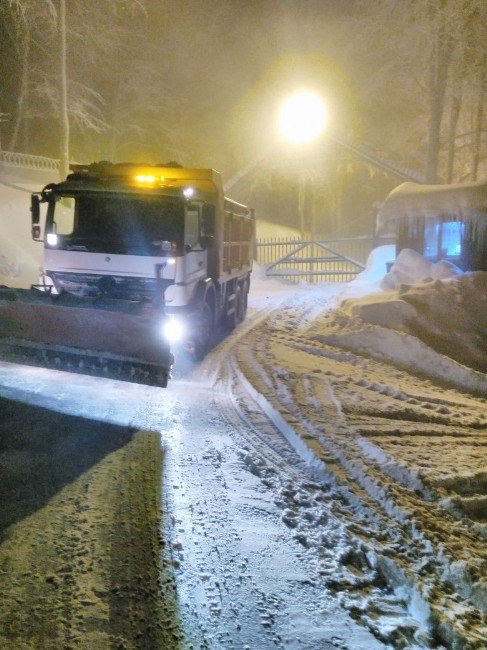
23 18
479 114
418 59
47 37
440 56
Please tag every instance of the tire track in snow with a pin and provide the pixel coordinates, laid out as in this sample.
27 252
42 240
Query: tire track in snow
242 579
348 569
343 449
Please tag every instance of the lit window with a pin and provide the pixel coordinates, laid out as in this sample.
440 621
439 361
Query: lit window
431 238
451 238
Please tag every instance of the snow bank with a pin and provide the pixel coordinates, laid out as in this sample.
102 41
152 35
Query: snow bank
372 276
428 318
410 268
450 316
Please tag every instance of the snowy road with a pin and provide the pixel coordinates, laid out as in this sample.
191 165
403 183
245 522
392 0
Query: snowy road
243 578
305 503
242 573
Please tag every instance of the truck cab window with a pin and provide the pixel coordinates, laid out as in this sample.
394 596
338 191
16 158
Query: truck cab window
192 225
122 224
64 215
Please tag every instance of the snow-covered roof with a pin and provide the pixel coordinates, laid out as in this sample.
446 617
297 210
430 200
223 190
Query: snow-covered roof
413 200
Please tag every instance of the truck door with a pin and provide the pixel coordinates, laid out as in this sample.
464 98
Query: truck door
195 253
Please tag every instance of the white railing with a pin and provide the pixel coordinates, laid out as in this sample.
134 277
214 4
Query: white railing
29 161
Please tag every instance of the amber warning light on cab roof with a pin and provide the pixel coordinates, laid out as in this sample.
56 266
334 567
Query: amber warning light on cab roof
141 176
148 179
170 176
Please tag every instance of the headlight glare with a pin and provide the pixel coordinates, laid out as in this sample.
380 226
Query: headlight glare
173 330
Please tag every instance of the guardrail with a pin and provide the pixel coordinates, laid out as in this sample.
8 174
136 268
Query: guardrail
28 161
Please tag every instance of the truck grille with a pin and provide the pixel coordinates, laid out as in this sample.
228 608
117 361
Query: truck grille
114 286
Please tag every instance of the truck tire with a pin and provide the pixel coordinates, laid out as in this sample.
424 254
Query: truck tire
245 299
239 305
204 334
233 319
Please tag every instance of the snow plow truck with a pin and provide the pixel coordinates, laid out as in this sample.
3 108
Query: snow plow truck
135 258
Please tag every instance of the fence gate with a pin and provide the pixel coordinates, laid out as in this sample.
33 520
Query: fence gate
337 260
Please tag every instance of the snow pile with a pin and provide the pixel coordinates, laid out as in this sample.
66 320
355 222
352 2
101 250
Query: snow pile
372 277
433 322
450 316
410 268
432 326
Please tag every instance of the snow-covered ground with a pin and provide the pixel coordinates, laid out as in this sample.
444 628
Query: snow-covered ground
388 390
324 473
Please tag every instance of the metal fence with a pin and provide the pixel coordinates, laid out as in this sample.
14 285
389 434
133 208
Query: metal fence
333 260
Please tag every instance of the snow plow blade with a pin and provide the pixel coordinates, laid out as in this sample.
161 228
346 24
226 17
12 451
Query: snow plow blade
107 337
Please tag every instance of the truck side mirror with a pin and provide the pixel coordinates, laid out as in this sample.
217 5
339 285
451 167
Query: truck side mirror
35 210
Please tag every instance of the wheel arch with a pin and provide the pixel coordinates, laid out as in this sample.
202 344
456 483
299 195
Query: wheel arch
206 293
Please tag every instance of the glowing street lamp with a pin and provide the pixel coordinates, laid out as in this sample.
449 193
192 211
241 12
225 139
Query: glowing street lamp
303 117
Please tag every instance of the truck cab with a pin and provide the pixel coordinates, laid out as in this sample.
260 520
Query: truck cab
155 234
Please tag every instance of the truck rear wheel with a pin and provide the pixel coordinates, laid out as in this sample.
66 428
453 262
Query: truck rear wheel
163 380
239 305
236 316
245 299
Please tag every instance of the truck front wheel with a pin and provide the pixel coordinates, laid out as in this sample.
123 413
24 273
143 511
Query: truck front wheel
204 333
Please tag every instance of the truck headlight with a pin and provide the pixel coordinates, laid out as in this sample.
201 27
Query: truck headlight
52 239
173 330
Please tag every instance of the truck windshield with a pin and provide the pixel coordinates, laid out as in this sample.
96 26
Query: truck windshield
119 224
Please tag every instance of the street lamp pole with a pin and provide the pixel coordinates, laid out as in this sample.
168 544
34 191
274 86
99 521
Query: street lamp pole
302 120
